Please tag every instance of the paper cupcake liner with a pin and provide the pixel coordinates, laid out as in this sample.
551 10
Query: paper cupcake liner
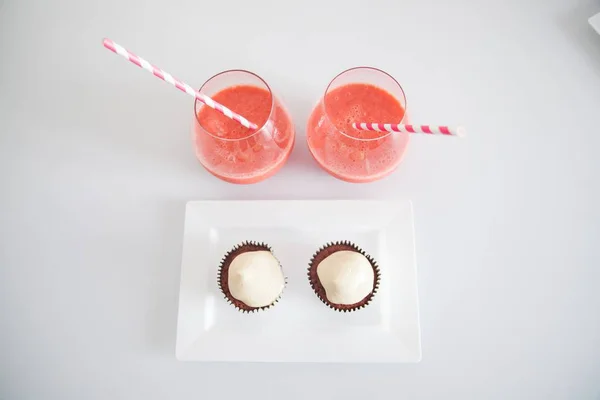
318 288
224 267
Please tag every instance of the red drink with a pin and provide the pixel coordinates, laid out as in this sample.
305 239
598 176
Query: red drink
358 95
227 149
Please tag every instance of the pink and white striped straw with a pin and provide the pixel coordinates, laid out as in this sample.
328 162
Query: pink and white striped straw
184 87
427 129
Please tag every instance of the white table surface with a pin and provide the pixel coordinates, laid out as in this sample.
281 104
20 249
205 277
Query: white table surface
96 166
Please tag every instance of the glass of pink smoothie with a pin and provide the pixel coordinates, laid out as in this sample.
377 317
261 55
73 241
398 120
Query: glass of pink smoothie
361 94
230 151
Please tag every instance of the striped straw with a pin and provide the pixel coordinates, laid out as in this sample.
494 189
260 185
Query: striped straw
428 129
184 87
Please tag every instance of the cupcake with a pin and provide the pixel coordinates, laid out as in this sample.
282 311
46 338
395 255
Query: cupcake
343 276
250 277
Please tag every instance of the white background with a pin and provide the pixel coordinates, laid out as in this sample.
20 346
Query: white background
96 165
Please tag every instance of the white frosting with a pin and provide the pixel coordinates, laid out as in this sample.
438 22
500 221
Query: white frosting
255 278
346 276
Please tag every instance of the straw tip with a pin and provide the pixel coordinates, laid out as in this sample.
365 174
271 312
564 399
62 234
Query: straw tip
106 42
461 132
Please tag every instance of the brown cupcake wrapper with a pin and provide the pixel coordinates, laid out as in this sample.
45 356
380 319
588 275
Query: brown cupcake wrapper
226 261
317 287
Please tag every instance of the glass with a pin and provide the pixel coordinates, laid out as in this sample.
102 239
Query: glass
230 151
361 94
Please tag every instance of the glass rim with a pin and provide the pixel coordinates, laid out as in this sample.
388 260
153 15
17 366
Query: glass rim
372 69
196 101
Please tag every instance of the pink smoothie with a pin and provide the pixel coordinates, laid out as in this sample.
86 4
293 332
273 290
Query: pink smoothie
237 154
350 154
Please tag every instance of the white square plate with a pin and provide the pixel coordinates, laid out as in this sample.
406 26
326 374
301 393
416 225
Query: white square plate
299 328
595 22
